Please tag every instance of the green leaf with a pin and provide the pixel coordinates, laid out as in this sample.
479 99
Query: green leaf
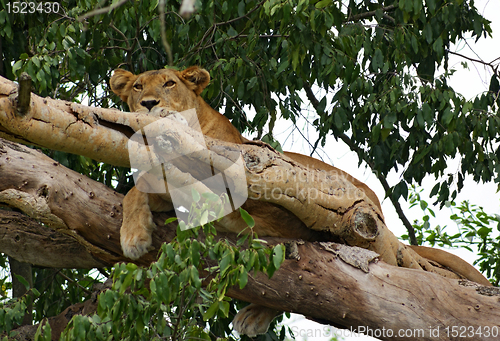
378 60
414 44
241 8
224 307
438 46
17 65
195 195
494 85
434 190
278 255
283 66
323 4
447 116
432 6
428 33
204 218
170 220
211 311
23 281
243 277
247 218
295 58
232 32
195 252
226 262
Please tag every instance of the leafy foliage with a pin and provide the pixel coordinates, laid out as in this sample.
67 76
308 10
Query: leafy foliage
475 230
53 291
168 300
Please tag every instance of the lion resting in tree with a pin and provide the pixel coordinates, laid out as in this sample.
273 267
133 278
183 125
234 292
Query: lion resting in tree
179 91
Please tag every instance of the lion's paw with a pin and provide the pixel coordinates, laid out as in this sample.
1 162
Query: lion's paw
135 234
253 320
136 244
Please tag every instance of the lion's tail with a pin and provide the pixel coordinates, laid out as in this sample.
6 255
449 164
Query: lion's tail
453 262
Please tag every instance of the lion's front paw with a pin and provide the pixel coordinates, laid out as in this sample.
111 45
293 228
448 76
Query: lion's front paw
137 225
253 320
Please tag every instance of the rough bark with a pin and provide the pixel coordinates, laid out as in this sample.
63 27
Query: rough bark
62 125
321 286
86 213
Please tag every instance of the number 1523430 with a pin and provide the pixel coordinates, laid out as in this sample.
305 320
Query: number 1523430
23 7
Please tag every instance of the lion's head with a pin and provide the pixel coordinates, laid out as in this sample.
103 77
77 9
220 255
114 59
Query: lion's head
166 88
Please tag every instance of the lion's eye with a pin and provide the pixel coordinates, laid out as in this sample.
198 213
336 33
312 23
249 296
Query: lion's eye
138 86
169 84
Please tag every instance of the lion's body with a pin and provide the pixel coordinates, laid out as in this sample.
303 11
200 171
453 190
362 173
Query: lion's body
179 91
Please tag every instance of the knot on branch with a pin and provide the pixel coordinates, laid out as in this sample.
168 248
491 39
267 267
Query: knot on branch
24 94
365 226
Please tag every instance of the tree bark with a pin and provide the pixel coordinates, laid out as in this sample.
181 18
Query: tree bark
343 290
23 270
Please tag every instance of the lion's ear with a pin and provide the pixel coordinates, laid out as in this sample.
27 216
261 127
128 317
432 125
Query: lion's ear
121 83
195 78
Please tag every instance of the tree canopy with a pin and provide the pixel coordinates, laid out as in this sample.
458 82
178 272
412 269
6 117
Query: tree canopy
368 68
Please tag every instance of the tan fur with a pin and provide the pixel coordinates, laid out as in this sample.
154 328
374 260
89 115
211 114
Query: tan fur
254 319
453 262
179 91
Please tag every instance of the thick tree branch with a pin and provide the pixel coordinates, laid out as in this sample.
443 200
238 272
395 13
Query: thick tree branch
411 231
26 240
62 125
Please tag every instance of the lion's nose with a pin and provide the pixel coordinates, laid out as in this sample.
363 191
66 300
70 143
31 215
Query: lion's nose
150 104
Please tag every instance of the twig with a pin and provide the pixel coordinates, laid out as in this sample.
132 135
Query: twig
372 13
87 291
490 64
166 45
101 11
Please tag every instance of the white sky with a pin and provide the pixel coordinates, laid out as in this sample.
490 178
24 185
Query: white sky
467 82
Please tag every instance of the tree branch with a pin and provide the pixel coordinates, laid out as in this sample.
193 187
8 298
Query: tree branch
28 241
372 13
100 11
490 64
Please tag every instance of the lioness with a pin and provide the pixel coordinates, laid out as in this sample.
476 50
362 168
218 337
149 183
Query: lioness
179 91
